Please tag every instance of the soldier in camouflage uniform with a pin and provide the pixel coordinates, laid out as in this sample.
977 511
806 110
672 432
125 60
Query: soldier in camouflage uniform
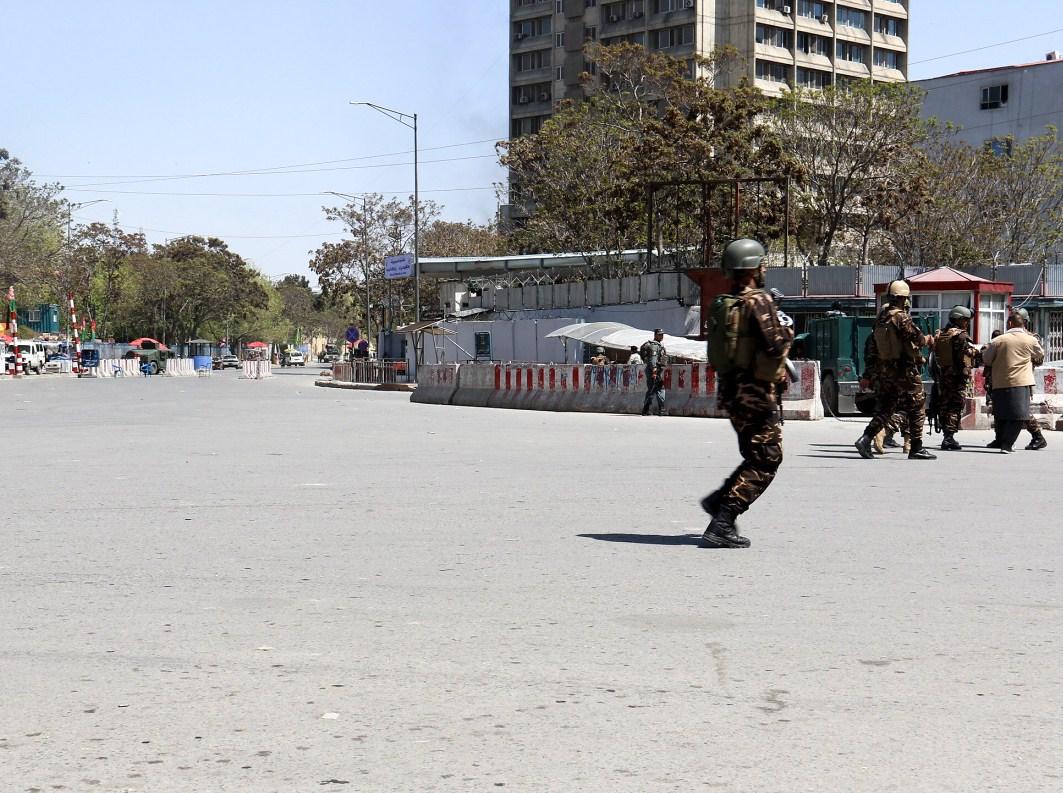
871 379
954 357
656 358
748 394
897 346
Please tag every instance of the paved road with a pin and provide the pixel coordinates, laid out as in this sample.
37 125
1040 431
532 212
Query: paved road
226 585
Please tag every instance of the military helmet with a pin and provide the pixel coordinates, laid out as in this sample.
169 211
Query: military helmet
742 254
599 349
960 312
899 289
1022 314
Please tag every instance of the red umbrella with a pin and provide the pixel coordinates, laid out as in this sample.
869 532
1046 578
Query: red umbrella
6 339
257 345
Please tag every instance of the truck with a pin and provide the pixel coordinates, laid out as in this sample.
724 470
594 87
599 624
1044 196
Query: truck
837 342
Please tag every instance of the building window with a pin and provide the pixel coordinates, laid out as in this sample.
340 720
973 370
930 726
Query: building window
854 53
1001 147
529 28
811 9
590 3
889 26
771 5
774 37
813 78
631 38
887 59
527 126
811 44
559 6
638 8
537 92
590 33
939 304
559 39
851 18
772 72
994 97
672 37
615 12
992 315
664 6
526 3
530 61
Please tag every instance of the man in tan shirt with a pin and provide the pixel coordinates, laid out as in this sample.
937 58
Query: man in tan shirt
1013 355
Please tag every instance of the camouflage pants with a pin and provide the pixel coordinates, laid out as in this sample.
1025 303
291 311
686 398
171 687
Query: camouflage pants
900 390
952 391
752 409
897 423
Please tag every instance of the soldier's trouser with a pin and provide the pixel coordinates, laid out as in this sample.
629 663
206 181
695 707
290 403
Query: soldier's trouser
951 395
1033 427
760 443
654 393
897 423
901 390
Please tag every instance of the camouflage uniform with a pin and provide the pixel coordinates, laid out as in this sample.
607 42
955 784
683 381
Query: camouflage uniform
753 406
952 380
900 382
873 373
656 357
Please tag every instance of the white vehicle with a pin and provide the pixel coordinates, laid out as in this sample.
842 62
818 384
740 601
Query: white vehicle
32 354
292 358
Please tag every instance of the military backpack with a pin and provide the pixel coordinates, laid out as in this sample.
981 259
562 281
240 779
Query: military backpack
724 329
888 340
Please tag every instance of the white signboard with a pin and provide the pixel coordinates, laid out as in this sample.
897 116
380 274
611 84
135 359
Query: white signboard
398 266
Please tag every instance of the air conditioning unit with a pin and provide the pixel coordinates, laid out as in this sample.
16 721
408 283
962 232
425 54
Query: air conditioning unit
614 18
523 100
786 9
825 19
688 3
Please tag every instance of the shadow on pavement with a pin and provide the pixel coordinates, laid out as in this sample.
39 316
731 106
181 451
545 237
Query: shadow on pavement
647 539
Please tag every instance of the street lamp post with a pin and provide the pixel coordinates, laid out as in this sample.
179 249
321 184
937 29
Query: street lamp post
408 120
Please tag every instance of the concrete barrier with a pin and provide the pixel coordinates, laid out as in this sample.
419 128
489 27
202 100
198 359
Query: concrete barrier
436 384
256 370
803 401
691 389
180 367
1047 404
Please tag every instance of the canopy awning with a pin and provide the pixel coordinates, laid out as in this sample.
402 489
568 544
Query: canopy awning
429 326
618 336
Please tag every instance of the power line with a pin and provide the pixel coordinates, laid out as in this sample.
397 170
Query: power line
986 47
260 171
263 195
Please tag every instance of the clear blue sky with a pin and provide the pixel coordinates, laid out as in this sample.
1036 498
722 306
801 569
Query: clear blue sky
113 90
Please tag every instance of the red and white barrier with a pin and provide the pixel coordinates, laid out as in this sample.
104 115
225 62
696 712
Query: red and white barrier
1047 399
690 388
256 370
436 384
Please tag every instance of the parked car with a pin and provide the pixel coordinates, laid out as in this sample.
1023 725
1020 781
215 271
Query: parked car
329 355
228 361
32 354
292 358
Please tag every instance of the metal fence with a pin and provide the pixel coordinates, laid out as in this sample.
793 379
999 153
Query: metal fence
370 371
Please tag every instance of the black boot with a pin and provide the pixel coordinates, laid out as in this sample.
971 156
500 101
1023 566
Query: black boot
722 532
919 453
864 446
1038 442
950 444
993 444
890 442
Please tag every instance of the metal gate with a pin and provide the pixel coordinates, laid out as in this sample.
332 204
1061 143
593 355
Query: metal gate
1054 336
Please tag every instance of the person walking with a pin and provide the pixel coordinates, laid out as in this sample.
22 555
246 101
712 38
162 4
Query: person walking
954 357
1037 439
634 359
749 340
897 346
655 357
1012 356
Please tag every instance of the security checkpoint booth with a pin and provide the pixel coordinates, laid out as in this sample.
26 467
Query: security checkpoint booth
936 292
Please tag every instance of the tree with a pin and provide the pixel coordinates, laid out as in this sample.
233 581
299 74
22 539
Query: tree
354 267
858 147
448 238
1029 187
587 172
31 235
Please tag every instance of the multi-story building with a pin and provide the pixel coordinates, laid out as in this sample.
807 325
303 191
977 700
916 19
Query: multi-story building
989 106
782 42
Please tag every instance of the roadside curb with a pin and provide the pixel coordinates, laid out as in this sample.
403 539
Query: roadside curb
366 386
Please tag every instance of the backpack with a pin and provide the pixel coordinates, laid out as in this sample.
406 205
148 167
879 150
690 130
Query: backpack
887 341
724 328
943 348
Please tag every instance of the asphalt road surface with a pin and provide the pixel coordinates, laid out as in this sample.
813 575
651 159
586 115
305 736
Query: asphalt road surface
229 585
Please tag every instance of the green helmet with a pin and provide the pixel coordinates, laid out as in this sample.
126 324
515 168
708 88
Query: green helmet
960 312
742 255
1022 314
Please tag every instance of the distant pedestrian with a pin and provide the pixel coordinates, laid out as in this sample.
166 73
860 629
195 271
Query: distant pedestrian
1013 356
634 359
655 358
